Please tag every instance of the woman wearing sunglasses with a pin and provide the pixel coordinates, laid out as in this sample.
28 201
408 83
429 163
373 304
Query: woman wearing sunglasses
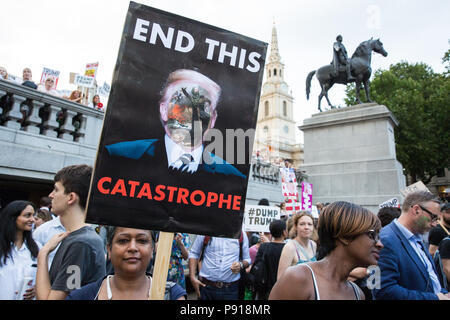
49 87
349 238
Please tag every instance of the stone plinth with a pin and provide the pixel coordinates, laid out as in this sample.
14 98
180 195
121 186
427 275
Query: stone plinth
350 155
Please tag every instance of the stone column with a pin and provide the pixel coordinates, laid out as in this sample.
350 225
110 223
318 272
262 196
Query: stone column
350 155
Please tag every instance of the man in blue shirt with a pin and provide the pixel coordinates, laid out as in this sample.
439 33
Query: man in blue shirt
220 267
407 269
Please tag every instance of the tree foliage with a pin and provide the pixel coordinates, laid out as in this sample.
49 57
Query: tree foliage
419 98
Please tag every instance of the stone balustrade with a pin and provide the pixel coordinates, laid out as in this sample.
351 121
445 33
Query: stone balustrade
41 133
269 173
29 110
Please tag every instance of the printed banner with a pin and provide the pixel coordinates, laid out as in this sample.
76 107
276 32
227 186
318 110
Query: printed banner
289 189
175 149
46 73
84 81
307 193
91 69
259 218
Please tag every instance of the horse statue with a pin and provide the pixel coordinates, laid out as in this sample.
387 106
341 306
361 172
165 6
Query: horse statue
360 70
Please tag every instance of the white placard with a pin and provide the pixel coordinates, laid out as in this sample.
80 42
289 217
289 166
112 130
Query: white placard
314 212
390 203
46 73
84 81
104 90
258 218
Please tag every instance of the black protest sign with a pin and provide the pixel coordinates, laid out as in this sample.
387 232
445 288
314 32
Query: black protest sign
174 153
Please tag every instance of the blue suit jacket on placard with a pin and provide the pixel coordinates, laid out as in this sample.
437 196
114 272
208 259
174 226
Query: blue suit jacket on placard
403 274
138 148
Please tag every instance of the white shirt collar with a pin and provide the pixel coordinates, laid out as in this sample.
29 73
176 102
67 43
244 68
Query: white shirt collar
174 152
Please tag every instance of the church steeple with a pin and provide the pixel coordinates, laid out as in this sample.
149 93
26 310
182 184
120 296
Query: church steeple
275 132
274 66
274 54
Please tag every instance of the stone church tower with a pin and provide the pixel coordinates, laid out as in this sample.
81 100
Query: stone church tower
275 130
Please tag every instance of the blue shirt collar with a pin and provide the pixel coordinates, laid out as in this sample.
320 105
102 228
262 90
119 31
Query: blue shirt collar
405 231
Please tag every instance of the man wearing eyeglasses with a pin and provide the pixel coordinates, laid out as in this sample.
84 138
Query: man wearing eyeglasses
407 270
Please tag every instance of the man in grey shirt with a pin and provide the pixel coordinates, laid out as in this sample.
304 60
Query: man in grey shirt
80 259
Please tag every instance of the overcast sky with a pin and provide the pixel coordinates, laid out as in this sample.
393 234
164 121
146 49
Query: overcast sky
65 35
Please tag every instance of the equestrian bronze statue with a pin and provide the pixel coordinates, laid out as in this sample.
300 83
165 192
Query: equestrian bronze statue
343 70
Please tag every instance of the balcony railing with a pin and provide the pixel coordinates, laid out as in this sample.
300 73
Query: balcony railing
23 108
269 173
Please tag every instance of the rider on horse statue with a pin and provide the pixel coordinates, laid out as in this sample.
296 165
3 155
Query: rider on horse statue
340 58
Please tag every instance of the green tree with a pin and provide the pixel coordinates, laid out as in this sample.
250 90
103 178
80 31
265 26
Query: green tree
419 98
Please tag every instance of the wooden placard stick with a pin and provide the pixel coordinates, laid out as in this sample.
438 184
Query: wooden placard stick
161 266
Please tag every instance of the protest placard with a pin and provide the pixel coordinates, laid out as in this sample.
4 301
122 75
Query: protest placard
104 90
174 153
84 81
315 212
307 193
91 69
419 185
258 218
390 203
289 189
46 72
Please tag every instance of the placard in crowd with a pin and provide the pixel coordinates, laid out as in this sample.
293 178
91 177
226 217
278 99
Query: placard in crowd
289 189
84 81
258 218
104 90
176 143
307 194
417 186
390 203
46 72
91 69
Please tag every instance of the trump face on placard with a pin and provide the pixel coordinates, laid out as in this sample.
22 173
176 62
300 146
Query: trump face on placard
188 109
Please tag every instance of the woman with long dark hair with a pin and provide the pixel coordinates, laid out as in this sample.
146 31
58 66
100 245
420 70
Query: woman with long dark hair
18 250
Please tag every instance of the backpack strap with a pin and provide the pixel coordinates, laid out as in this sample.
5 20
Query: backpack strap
169 286
241 241
206 242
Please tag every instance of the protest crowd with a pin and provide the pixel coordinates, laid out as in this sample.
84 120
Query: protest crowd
153 159
42 245
48 86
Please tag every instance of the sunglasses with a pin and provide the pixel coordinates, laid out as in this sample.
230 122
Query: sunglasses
372 234
433 216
